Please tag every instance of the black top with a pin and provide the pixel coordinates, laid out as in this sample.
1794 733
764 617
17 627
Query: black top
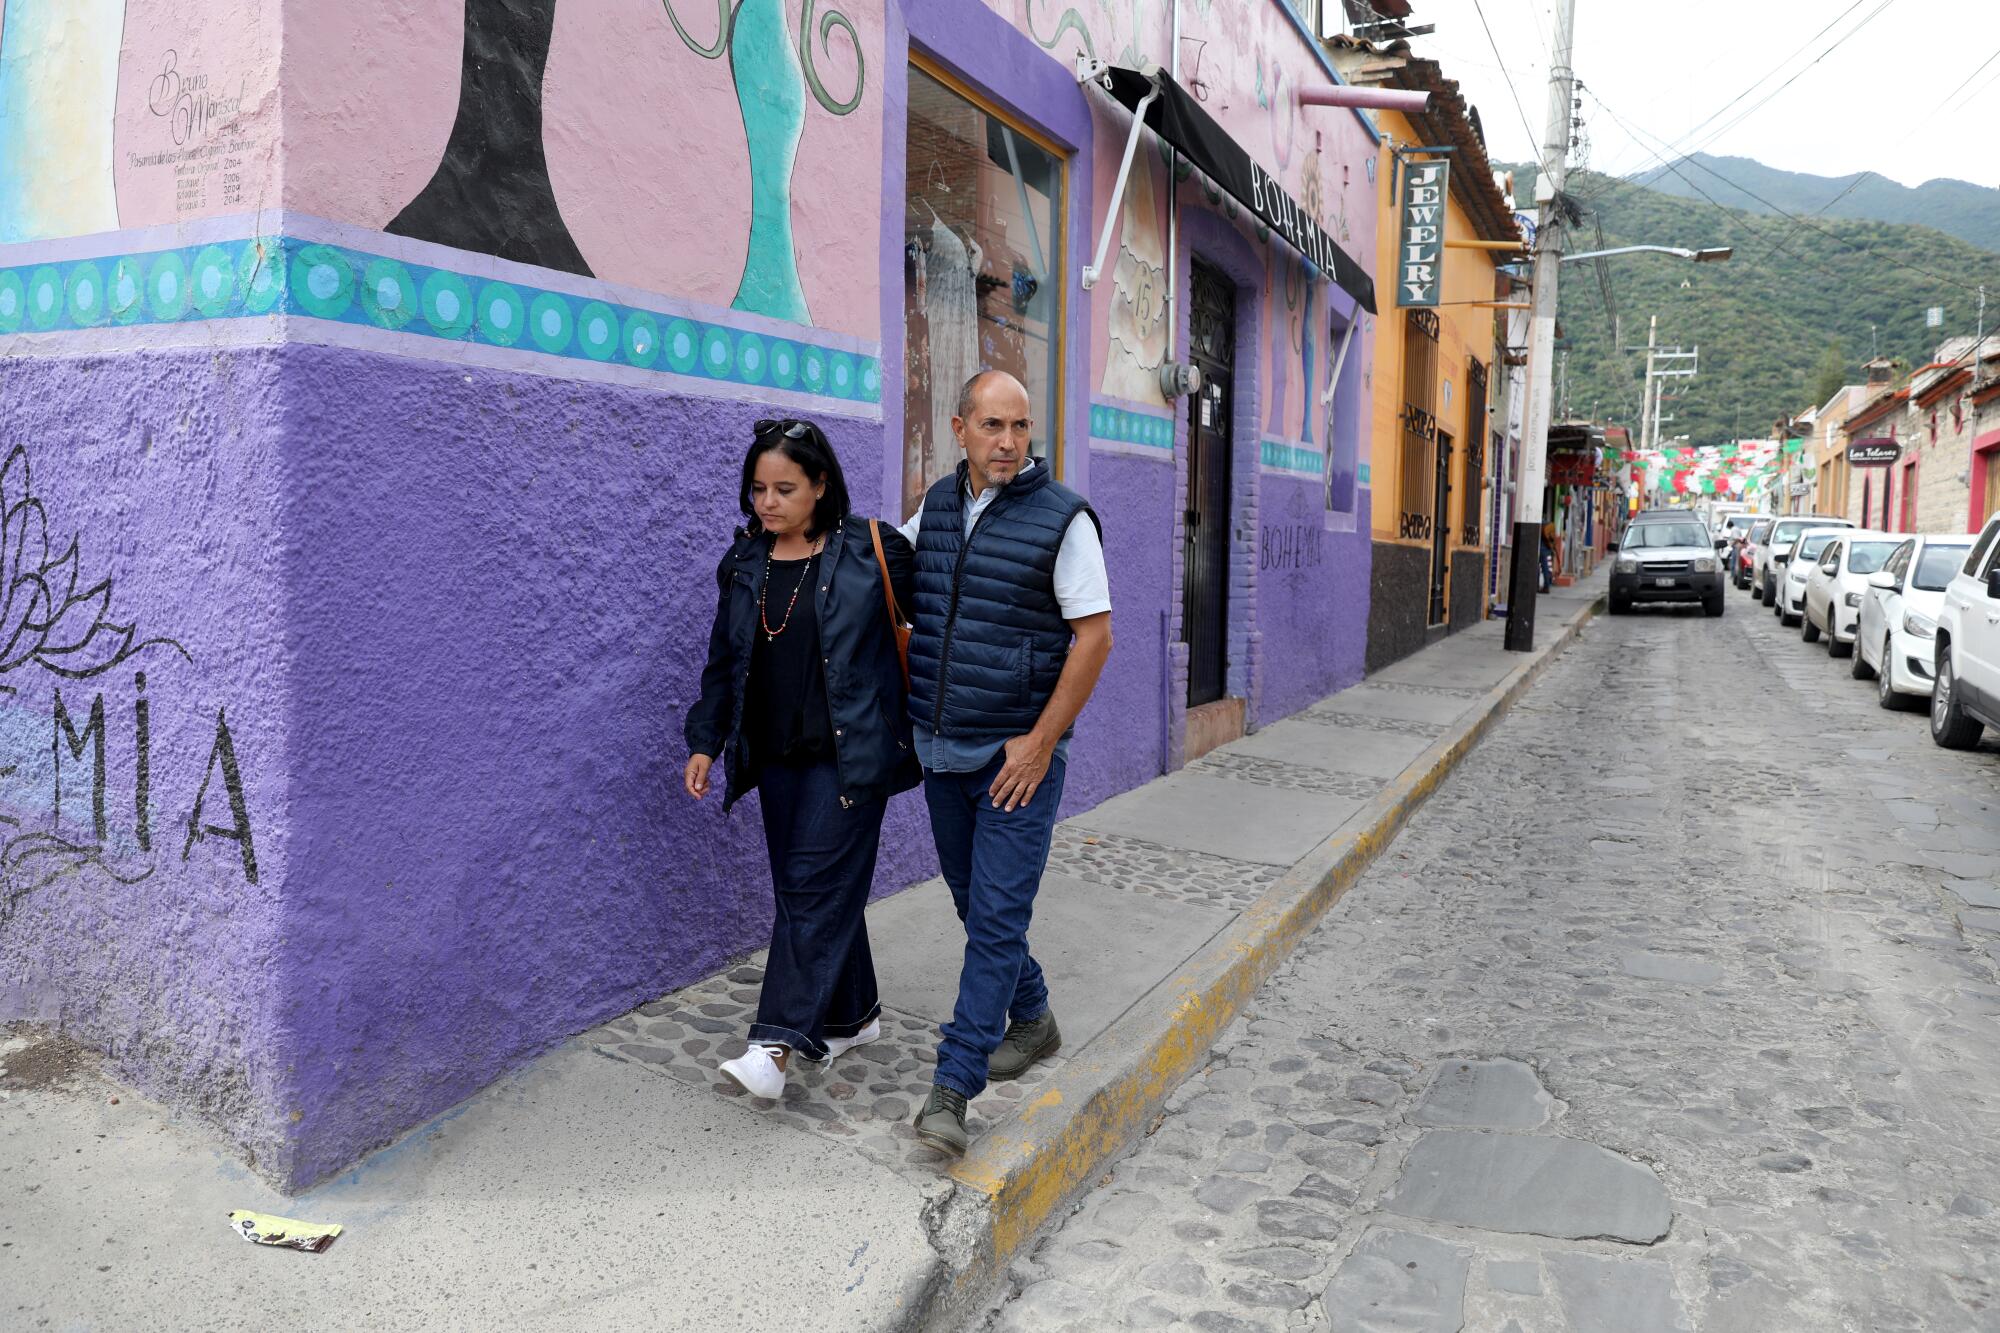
863 680
790 722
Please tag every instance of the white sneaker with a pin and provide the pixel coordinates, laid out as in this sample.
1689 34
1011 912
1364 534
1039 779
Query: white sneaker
839 1046
756 1072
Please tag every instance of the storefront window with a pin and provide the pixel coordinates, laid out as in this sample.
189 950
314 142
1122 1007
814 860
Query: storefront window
982 265
1343 422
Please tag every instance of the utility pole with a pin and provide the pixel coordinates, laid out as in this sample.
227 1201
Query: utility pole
1524 579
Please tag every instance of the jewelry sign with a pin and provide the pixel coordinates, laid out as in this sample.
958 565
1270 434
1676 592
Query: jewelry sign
1420 257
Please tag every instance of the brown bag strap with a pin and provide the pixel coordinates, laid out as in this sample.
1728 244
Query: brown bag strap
882 563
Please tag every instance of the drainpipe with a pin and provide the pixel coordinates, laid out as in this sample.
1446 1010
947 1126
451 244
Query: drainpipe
1174 207
1408 102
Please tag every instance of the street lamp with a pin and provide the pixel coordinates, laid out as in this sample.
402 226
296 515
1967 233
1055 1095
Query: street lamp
1715 256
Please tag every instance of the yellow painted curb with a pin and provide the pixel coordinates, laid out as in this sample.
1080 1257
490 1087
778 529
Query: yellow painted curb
1025 1171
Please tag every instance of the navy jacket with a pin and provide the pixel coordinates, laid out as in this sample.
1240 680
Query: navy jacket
864 681
990 639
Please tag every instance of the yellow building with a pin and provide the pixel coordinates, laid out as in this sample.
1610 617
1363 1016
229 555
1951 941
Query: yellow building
1435 366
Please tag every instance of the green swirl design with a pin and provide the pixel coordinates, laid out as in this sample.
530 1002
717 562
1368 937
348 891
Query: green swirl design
724 24
1071 21
832 19
828 21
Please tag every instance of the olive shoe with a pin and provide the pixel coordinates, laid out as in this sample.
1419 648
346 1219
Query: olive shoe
1027 1041
942 1121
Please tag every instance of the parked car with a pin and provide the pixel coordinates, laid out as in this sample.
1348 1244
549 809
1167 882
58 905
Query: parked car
1669 514
1666 562
1836 585
1776 548
1899 615
1966 698
1792 574
1734 530
1744 564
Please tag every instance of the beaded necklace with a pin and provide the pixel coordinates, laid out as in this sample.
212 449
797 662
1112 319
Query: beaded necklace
805 577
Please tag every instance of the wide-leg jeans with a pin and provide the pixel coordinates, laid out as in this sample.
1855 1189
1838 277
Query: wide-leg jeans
819 981
992 859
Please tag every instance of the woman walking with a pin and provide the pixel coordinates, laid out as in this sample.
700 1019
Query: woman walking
803 699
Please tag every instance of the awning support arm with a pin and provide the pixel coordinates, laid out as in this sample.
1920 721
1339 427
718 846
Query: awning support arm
1113 218
1340 357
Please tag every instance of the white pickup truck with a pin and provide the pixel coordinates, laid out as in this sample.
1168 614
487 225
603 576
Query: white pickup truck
1966 699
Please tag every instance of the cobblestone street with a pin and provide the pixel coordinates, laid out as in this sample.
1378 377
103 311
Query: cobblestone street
1673 1009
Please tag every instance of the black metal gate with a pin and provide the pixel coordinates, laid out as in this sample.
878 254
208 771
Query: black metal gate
1205 553
1440 529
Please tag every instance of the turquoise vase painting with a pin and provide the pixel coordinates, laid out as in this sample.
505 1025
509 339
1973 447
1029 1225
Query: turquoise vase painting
771 90
774 71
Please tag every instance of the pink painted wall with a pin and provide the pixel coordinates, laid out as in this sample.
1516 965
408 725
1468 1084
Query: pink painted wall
1246 61
645 141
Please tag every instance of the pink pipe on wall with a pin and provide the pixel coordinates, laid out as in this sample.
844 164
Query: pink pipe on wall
1377 99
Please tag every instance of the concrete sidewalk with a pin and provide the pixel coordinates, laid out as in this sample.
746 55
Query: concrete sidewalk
644 1191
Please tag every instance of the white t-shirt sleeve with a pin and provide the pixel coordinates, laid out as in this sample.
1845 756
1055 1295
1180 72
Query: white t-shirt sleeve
1082 586
909 530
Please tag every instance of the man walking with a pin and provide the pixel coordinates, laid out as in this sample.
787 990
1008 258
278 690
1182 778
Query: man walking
1012 627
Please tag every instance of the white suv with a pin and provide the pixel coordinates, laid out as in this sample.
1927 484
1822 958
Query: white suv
1967 697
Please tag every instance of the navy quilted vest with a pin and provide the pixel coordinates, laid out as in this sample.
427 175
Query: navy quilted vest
990 639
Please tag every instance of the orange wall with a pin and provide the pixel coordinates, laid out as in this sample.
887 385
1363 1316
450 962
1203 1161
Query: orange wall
1464 332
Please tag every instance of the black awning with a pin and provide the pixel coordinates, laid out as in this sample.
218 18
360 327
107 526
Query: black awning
1179 119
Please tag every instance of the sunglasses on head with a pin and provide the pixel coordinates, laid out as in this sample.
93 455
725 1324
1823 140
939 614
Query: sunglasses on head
792 428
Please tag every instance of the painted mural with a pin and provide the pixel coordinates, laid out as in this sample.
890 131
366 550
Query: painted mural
133 113
77 725
1243 63
585 138
58 92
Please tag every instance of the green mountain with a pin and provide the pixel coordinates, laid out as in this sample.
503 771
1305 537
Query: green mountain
1957 208
1766 320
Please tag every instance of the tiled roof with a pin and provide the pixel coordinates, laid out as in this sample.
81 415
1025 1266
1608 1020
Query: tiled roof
1451 120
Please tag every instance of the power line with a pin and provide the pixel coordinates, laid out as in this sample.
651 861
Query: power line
1967 79
1660 155
1754 107
1786 239
1976 93
1540 164
1782 212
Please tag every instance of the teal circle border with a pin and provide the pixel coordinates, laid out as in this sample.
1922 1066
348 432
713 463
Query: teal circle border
443 282
604 347
388 271
88 302
501 335
538 311
44 297
260 274
333 304
212 259
11 285
642 339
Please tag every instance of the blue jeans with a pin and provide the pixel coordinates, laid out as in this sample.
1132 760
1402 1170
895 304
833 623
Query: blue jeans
992 860
819 981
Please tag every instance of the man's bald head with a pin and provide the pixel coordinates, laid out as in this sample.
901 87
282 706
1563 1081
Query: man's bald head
993 426
971 387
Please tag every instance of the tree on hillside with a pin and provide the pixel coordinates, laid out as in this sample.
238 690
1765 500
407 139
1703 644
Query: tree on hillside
1829 374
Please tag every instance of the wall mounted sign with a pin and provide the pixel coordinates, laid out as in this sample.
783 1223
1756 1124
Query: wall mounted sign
1420 257
1874 451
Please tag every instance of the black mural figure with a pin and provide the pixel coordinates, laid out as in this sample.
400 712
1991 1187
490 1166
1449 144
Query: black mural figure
491 191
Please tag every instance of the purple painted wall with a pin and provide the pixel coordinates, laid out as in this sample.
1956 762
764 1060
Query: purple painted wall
437 604
502 853
166 469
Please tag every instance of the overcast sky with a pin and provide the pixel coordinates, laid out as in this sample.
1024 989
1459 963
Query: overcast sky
1881 100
